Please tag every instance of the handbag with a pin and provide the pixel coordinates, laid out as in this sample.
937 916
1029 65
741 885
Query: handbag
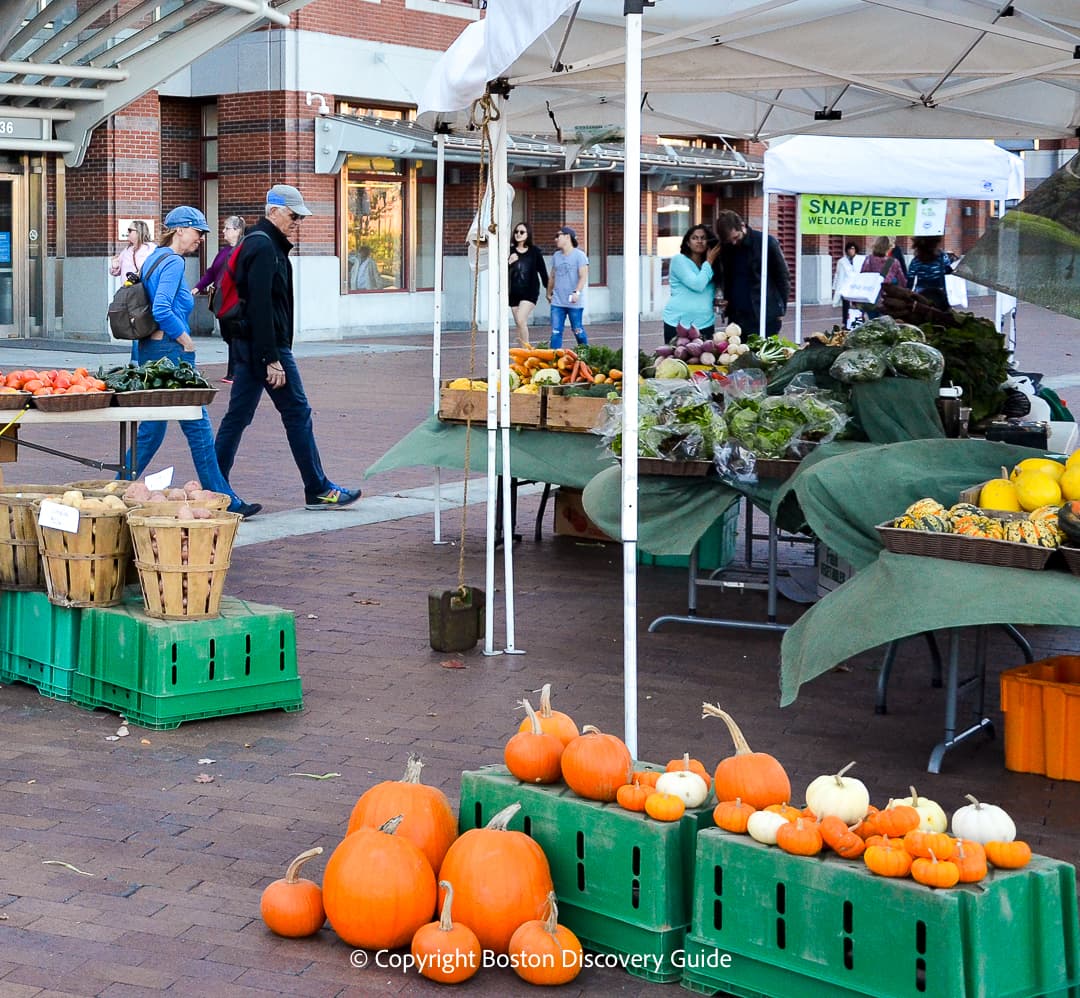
131 313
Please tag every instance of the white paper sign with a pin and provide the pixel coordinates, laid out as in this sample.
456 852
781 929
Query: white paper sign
863 287
160 480
58 516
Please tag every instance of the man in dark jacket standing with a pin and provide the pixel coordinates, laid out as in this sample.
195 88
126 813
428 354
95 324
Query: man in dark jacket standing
742 277
262 342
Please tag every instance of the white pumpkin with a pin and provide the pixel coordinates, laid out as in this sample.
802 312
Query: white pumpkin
762 826
839 796
933 816
690 788
983 823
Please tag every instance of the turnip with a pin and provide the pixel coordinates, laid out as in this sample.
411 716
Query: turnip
682 341
741 348
726 358
719 336
696 349
733 329
665 351
707 358
682 353
694 334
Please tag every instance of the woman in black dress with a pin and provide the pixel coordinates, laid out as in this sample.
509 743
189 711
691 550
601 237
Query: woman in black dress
528 274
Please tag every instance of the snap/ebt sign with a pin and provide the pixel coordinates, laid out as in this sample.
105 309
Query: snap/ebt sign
853 208
859 214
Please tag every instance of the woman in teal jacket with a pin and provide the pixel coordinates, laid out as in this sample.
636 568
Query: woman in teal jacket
693 276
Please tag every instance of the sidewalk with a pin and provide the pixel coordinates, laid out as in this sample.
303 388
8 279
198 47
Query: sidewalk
177 867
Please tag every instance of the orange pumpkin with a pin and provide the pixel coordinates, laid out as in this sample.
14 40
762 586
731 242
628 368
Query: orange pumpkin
732 815
934 872
895 821
923 844
841 839
534 756
293 906
865 828
554 722
970 860
429 820
646 777
1008 855
694 765
887 862
501 879
445 952
544 952
595 765
789 811
378 888
756 777
664 807
632 796
800 837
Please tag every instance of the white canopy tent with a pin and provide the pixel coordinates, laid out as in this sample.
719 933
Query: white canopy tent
957 169
759 69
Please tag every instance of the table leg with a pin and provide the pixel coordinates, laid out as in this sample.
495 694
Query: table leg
749 537
771 608
539 531
952 693
880 704
1021 642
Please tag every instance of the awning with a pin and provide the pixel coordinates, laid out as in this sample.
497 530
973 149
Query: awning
65 67
338 136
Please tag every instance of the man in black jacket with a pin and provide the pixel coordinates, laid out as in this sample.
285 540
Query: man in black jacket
742 277
262 342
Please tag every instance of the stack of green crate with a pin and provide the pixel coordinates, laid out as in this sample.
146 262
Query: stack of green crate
159 673
716 548
770 924
39 643
623 879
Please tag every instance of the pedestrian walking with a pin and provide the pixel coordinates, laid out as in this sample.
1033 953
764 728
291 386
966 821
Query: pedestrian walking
566 288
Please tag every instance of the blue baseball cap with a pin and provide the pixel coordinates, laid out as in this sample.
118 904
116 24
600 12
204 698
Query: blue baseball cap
186 217
287 196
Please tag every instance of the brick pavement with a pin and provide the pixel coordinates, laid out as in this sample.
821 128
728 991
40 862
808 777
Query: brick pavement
172 906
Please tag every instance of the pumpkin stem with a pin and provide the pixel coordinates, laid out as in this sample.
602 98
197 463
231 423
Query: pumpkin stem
590 729
413 768
551 924
291 876
446 923
839 776
686 760
914 797
713 710
391 825
545 700
978 806
500 821
536 729
933 858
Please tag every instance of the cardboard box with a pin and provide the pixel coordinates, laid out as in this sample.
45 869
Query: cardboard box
571 519
460 405
572 413
9 447
833 571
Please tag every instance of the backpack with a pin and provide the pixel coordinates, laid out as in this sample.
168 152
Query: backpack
131 313
228 305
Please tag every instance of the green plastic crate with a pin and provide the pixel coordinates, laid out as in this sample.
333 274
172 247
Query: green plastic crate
828 928
159 673
716 549
622 879
38 642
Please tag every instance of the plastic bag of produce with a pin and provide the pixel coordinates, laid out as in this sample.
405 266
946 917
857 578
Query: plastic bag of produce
735 463
883 331
745 382
825 417
916 360
866 364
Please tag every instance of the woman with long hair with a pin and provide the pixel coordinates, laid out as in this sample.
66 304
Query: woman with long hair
878 261
927 269
137 248
231 233
528 274
693 276
172 303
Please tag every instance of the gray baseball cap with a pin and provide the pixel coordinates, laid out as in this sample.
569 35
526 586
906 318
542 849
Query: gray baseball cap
289 197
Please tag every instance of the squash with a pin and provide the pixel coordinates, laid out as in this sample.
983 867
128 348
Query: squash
554 722
632 796
534 756
292 906
923 844
1069 520
762 826
664 806
690 788
756 777
694 765
887 862
841 796
1008 855
931 816
934 872
544 952
970 860
982 822
800 837
595 765
840 839
732 815
924 507
445 952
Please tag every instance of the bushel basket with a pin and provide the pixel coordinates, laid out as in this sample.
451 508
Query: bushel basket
182 564
20 559
86 568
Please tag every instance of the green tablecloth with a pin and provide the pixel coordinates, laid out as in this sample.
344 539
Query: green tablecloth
899 595
570 459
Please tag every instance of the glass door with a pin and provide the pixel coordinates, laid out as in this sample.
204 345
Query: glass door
10 296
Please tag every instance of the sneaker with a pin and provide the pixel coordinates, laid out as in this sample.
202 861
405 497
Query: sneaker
246 509
333 498
226 381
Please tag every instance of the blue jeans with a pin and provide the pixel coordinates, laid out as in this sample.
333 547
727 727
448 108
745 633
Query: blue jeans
559 315
249 382
199 432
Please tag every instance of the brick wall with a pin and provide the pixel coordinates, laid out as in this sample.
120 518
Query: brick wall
387 21
181 142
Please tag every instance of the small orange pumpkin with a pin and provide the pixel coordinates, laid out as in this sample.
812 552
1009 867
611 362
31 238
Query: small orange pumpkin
664 807
595 765
887 862
554 722
293 906
896 821
646 777
534 756
1008 855
865 828
970 860
800 837
884 840
934 872
632 796
544 952
756 777
841 839
444 952
694 765
923 844
789 811
732 815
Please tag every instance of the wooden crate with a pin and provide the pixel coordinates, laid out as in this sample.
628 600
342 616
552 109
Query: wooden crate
459 405
571 520
572 413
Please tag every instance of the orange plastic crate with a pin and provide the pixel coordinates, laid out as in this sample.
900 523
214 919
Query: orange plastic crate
1041 703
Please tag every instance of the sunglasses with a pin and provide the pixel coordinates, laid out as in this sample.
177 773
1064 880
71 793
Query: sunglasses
293 217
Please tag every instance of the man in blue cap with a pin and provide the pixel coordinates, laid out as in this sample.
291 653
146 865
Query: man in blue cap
262 341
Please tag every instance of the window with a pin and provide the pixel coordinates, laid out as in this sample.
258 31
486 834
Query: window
374 223
673 217
595 216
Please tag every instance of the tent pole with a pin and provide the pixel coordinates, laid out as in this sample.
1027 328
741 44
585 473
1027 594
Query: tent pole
437 296
798 268
764 258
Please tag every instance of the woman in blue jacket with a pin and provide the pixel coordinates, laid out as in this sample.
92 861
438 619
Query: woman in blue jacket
172 304
692 277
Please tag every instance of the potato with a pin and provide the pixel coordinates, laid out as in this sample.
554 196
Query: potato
72 498
186 513
137 492
192 486
114 488
113 501
202 514
158 497
92 504
176 495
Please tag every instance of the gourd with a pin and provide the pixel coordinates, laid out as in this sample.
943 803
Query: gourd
757 777
544 952
733 815
501 878
762 826
690 788
664 806
554 722
595 765
841 796
534 756
934 872
924 507
801 837
378 888
981 822
428 820
446 952
292 906
840 839
1069 520
931 816
1008 855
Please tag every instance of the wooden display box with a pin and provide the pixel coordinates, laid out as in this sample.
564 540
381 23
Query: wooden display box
572 413
458 405
571 520
9 446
